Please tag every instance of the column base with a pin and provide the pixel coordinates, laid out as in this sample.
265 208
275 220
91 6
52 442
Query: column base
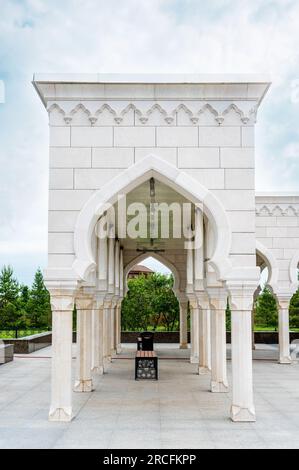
83 386
194 360
118 349
219 387
245 415
106 364
61 414
99 370
203 370
285 360
184 346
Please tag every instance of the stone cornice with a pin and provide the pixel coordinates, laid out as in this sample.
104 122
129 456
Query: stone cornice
221 95
195 112
154 78
277 210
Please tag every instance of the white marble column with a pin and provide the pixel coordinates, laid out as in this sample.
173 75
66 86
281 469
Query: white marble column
183 325
204 366
97 339
83 382
255 296
107 337
121 295
218 302
252 327
116 267
192 302
241 300
111 266
208 343
118 327
283 329
190 286
102 264
121 272
112 328
194 357
61 375
198 251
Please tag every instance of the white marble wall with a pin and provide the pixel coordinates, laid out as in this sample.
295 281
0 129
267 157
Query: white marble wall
277 230
97 131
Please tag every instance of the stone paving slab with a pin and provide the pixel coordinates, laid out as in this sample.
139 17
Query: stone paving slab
178 411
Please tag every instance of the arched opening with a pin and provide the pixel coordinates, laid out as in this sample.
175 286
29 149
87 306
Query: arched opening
173 186
153 210
150 303
265 309
153 282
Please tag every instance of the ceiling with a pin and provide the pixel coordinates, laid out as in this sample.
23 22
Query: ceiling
161 194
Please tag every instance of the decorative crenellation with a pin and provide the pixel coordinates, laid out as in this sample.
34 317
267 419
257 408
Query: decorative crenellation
275 210
219 112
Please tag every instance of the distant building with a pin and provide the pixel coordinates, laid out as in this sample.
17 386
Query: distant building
139 269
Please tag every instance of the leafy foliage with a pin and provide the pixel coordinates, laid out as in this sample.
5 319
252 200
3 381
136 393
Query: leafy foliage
9 287
10 314
39 310
150 304
294 310
228 317
20 306
266 310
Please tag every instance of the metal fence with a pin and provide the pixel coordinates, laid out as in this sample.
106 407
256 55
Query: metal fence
21 332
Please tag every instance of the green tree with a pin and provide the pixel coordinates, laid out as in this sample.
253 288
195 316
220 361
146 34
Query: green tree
39 308
165 305
136 306
149 303
228 316
294 310
9 287
9 291
266 311
23 302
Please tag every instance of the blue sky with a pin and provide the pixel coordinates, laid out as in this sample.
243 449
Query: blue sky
220 36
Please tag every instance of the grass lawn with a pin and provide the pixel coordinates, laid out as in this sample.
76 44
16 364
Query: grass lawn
271 328
11 334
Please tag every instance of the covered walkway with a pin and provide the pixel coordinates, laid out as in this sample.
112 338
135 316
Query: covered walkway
178 411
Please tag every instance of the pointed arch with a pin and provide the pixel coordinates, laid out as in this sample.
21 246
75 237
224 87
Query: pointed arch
151 166
293 269
271 262
141 257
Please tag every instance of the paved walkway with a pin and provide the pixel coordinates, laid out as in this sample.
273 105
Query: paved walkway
178 411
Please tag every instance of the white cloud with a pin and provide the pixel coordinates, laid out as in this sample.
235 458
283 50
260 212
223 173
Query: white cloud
155 265
136 36
291 150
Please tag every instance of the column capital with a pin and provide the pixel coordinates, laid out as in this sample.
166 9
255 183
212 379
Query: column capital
99 299
217 297
62 299
192 300
241 294
184 304
203 299
283 298
107 303
115 301
85 302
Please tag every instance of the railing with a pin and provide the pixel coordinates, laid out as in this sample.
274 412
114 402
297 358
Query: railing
15 333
